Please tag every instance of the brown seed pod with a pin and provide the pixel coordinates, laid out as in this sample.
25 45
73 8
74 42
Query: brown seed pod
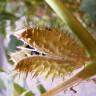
50 65
63 53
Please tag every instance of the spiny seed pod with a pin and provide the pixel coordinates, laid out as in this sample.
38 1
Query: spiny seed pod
63 54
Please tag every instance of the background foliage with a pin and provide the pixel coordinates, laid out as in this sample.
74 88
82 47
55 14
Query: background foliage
16 14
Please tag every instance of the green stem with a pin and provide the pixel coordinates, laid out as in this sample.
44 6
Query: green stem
63 86
86 39
84 74
88 71
67 17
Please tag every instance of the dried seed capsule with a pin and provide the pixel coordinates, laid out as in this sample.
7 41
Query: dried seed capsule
63 54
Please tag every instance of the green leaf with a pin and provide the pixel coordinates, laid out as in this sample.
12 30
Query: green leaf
1 70
1 1
29 94
89 6
13 43
2 5
41 87
7 16
18 90
3 27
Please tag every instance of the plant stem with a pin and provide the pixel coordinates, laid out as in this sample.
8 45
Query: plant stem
67 17
86 39
63 86
77 28
89 70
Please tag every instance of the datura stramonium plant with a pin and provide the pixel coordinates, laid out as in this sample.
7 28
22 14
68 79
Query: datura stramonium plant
58 54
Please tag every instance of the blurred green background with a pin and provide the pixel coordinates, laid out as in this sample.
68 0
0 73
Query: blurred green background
17 14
